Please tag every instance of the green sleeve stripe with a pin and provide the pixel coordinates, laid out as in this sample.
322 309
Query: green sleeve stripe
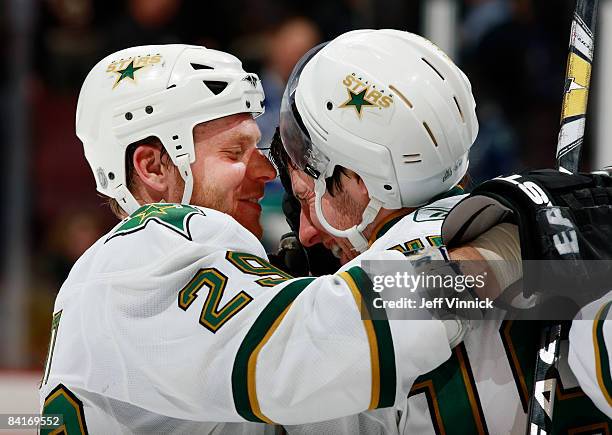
382 331
602 362
243 372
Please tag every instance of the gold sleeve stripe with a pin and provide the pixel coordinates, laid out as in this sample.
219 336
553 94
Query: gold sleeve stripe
384 350
244 372
369 329
602 362
252 388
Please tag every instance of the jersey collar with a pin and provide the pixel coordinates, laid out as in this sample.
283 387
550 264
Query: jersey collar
383 226
456 190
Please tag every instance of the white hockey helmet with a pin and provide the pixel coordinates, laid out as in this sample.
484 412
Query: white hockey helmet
162 91
387 104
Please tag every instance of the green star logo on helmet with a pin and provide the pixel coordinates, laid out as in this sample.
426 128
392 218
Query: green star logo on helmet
357 101
362 93
126 73
127 68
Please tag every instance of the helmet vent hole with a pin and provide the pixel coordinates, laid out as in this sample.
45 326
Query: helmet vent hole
175 137
433 68
459 109
149 109
431 136
412 158
248 104
402 96
329 105
171 86
179 147
111 176
198 66
387 187
129 116
215 87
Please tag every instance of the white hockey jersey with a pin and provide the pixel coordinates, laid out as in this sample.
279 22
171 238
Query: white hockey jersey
484 387
406 234
175 322
590 352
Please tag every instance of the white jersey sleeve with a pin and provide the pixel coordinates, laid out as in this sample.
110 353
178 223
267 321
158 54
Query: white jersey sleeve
590 352
178 313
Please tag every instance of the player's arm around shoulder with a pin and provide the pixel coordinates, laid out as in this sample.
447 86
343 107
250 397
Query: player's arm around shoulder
209 330
590 352
312 354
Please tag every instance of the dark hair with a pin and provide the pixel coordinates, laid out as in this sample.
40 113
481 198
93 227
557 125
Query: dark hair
282 161
129 168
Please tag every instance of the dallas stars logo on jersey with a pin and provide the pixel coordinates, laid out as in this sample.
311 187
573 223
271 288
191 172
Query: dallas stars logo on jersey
172 216
363 94
127 68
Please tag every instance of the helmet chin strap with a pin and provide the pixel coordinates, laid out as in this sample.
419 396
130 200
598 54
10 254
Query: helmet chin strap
126 200
354 234
184 168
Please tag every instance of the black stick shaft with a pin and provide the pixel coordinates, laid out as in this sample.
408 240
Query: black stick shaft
571 137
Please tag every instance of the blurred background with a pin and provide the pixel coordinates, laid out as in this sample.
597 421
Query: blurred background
513 51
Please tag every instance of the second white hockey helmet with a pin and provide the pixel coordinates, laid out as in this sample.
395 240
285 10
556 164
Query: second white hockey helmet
387 104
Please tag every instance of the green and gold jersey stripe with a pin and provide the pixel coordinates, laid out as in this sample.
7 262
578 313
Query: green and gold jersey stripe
602 362
243 373
382 354
62 401
471 390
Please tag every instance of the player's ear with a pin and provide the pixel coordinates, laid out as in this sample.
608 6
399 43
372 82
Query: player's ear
151 169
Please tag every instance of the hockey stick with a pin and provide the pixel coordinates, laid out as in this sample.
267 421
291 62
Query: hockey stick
577 79
571 137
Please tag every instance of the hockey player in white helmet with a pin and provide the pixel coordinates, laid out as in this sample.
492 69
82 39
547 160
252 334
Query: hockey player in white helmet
406 134
175 321
376 128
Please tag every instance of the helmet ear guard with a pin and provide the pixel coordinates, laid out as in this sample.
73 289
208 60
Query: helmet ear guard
402 118
166 91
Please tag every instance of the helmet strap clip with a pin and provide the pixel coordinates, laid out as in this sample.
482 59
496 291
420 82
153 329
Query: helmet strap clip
184 167
354 234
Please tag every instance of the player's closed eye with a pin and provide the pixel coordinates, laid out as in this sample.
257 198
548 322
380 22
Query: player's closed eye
234 154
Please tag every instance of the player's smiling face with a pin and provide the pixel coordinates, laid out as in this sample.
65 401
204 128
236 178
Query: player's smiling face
230 172
342 211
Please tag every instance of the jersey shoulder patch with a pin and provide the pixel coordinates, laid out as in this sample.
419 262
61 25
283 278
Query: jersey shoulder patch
175 217
436 211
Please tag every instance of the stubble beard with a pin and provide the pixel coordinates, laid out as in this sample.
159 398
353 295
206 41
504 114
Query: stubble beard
208 195
349 213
